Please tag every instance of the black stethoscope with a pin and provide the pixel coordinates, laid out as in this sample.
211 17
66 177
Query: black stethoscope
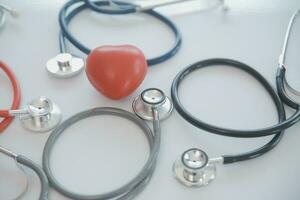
194 167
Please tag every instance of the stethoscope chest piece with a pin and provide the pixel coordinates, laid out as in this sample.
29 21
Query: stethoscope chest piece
65 65
149 99
194 169
40 115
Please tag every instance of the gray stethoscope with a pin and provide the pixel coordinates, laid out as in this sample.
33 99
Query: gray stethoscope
152 105
194 168
3 9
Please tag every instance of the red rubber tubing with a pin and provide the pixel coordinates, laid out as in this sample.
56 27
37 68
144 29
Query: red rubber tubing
16 99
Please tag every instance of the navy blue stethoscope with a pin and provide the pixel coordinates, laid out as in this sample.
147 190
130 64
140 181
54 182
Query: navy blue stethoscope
111 7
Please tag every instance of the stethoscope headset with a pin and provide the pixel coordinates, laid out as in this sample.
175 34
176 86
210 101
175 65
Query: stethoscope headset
194 168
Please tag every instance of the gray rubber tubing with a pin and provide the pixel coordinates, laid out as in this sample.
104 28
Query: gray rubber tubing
133 187
41 174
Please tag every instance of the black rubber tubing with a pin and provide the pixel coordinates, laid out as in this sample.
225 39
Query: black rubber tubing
130 189
281 91
278 129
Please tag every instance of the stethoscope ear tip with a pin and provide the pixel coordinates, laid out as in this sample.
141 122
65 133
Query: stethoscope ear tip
152 98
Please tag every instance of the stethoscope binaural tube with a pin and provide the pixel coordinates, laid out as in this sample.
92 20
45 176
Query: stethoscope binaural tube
225 131
278 129
281 82
37 169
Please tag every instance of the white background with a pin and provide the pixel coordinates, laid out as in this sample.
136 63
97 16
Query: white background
102 153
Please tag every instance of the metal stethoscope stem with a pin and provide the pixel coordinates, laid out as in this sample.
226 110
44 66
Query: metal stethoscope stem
22 160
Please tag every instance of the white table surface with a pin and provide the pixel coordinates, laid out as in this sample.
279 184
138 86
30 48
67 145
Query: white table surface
102 153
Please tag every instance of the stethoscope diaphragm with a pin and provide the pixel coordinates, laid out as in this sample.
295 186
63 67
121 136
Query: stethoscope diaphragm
152 98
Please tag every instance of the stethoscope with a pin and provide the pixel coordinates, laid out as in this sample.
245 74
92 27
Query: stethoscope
194 168
152 105
66 65
39 115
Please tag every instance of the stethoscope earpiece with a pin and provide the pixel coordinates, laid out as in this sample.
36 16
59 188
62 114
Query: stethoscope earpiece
149 99
40 115
65 65
194 169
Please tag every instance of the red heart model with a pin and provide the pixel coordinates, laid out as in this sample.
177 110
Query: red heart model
116 71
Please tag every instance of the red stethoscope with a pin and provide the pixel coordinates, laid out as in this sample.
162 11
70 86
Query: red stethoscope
39 115
7 118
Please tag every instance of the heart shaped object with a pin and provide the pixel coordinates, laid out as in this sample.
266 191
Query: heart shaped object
116 71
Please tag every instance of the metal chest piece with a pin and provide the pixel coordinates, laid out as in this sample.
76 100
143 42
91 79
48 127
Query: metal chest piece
40 115
149 99
194 169
65 65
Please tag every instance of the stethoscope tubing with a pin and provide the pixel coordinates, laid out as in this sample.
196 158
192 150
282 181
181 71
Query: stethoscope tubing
130 8
44 193
24 161
16 97
281 81
64 20
133 187
275 129
280 77
230 132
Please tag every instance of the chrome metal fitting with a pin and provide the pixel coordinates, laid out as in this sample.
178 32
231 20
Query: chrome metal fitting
149 99
64 65
40 115
194 169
